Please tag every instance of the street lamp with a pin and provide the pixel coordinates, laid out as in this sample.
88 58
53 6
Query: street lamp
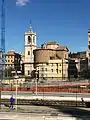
43 88
36 80
36 73
76 62
16 77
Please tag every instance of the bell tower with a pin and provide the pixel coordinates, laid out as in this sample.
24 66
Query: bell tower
29 46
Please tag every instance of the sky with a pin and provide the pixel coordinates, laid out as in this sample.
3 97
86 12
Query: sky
63 21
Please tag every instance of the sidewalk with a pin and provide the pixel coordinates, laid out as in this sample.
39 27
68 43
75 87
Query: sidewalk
33 113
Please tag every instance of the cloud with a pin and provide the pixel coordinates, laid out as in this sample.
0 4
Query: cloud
22 2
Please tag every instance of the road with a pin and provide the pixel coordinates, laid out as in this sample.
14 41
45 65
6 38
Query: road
58 94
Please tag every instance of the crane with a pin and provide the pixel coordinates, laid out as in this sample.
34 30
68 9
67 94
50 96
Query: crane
3 30
2 57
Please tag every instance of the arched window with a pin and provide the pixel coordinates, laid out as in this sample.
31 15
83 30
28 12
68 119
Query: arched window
29 39
28 52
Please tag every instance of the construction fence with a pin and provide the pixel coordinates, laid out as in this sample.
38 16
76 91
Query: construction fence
58 76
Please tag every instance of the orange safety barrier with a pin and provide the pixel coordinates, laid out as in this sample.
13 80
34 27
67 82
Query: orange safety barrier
47 89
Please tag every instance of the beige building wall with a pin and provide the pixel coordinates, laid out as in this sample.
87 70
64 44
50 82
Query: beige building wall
51 61
9 61
43 55
13 81
53 69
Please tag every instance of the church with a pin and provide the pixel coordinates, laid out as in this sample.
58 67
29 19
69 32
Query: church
29 46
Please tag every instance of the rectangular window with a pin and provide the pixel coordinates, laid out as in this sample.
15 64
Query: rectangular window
28 52
42 69
8 60
50 58
57 64
28 72
46 63
52 70
57 71
60 71
45 69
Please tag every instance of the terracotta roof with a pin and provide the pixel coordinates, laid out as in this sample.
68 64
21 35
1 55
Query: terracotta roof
51 43
62 48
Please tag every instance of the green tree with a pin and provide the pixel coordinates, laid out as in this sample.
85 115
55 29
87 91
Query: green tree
34 75
85 74
8 72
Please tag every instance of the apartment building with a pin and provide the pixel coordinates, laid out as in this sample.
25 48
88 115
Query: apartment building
79 62
12 60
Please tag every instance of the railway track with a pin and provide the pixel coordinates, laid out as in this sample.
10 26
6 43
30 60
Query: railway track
48 103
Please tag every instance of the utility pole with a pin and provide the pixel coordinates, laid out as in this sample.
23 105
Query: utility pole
36 81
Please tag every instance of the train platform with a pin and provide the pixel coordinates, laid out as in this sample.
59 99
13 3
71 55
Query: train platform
44 113
27 116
